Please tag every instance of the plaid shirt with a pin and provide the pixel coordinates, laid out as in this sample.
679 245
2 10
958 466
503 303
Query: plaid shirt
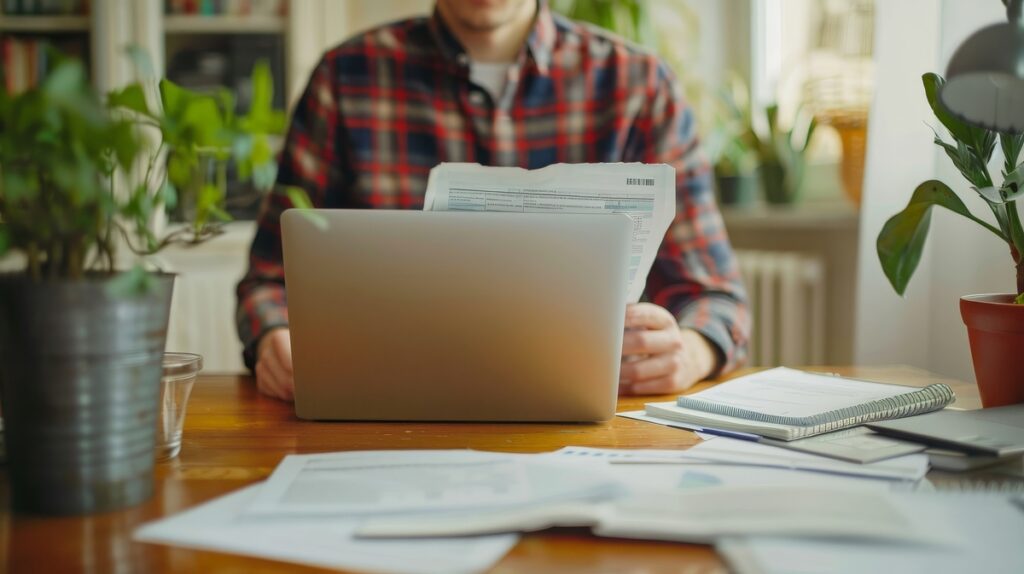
385 107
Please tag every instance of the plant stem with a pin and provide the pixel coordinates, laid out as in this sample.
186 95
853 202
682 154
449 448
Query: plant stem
34 267
152 162
1020 279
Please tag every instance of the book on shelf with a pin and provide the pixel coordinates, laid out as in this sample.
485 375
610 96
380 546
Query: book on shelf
45 7
788 404
226 7
27 60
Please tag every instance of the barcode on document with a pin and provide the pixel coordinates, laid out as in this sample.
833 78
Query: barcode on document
640 181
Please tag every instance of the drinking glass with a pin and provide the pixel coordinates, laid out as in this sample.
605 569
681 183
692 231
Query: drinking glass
179 374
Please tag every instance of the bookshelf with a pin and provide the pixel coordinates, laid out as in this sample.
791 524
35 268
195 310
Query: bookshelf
43 24
29 30
186 24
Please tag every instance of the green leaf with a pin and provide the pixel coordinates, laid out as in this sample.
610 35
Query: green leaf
1014 180
301 201
204 118
1011 145
218 213
174 98
134 282
132 97
66 80
262 88
181 168
902 238
141 60
209 204
5 239
961 131
169 194
299 197
264 176
1019 299
261 152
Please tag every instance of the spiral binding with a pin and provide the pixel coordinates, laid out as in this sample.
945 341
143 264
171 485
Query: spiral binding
927 399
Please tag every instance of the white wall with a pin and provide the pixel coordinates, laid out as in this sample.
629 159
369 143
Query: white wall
924 328
966 258
890 329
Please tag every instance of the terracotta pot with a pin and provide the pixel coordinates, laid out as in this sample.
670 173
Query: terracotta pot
995 326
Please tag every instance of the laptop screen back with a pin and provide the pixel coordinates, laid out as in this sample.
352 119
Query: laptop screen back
442 316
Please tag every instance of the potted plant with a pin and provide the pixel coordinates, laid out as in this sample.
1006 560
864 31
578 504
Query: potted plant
995 323
776 155
730 145
81 341
782 155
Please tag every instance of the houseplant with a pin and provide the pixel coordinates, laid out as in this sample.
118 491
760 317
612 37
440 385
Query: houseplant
782 155
730 144
81 341
740 146
995 322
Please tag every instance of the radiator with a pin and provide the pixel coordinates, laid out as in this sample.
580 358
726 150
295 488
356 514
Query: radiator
787 300
203 307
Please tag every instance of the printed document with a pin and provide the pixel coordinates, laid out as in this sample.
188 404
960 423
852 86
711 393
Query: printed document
382 482
222 526
644 192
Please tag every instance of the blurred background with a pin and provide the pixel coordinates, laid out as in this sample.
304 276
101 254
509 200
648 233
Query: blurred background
811 113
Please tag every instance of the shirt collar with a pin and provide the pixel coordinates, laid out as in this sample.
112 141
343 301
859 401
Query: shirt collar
539 44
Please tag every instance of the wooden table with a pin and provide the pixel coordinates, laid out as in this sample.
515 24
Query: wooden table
234 437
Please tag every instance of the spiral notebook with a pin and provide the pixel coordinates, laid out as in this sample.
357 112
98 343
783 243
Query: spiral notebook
788 404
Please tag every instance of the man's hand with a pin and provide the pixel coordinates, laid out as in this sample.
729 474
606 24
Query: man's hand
658 357
274 365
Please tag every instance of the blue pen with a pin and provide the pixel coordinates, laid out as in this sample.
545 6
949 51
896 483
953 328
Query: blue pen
716 432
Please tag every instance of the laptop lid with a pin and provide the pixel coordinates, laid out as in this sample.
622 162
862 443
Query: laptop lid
446 316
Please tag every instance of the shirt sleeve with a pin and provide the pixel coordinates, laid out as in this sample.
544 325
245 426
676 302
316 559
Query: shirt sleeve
309 161
695 275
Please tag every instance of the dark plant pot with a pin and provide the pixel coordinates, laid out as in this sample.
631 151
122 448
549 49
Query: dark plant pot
995 326
736 189
773 182
79 378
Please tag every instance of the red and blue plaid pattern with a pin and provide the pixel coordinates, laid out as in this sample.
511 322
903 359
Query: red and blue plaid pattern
385 107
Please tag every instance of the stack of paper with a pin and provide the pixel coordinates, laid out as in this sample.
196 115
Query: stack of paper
407 511
311 506
719 490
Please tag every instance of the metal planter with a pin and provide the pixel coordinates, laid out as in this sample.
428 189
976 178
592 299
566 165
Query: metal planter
79 379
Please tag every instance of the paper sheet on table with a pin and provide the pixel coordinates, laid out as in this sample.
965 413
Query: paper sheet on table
645 507
987 529
644 192
220 526
911 467
810 512
688 515
747 453
855 444
409 481
628 466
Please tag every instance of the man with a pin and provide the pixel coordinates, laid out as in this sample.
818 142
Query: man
507 83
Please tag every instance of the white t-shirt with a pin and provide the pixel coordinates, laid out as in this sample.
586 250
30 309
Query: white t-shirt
491 76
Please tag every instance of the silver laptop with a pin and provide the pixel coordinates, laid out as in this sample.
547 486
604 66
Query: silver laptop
447 316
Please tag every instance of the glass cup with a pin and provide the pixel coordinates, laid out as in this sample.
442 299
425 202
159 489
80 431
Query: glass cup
180 370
